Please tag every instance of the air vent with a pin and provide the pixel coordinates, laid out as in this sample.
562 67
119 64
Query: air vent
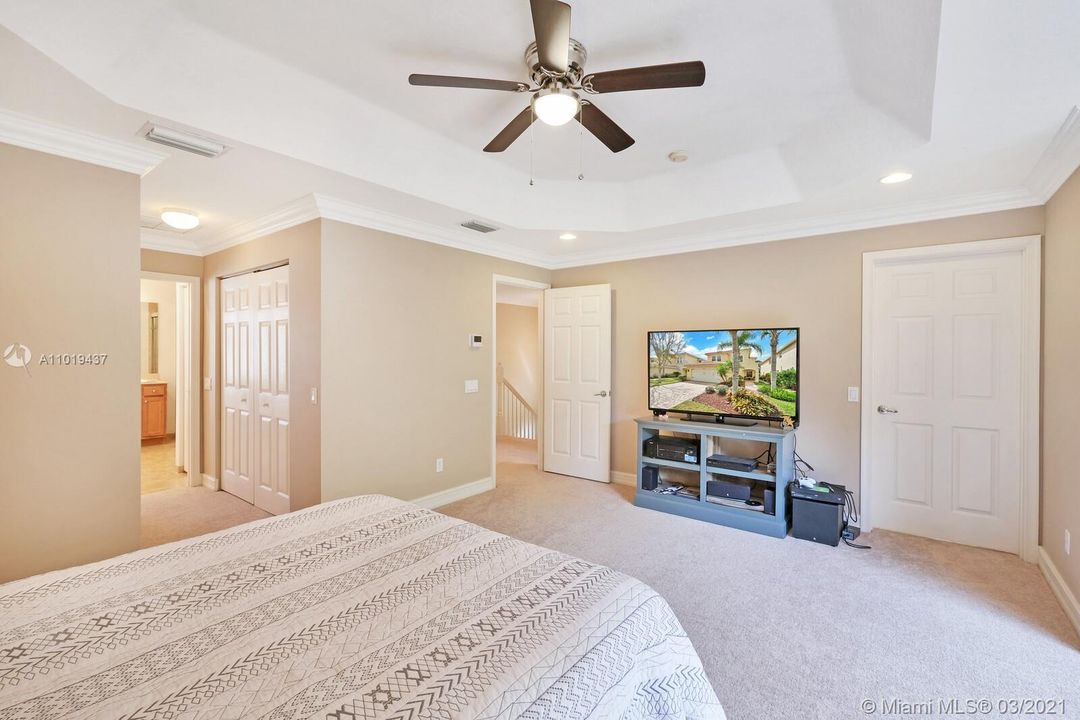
181 140
478 226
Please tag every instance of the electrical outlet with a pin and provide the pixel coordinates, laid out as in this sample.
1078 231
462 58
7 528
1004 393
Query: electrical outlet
1068 542
438 465
472 386
853 394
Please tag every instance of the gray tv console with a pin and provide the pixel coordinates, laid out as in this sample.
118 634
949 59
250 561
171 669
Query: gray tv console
710 434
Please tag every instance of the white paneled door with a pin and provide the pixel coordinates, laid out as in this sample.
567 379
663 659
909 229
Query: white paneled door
947 367
577 381
255 388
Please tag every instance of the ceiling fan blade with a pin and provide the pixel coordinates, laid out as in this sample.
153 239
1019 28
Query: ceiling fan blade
551 24
651 77
511 132
604 128
466 82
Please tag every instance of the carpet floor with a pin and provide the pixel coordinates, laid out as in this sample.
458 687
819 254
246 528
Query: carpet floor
792 629
185 512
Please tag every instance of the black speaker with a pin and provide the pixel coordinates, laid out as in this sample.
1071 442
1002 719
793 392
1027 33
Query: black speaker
820 521
769 501
650 477
728 489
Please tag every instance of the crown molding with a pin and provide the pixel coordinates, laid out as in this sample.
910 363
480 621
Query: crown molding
364 216
49 137
810 227
294 213
316 206
167 242
1059 160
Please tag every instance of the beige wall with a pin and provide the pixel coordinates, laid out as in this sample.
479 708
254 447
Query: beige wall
300 246
518 349
387 296
69 435
1061 396
811 283
171 263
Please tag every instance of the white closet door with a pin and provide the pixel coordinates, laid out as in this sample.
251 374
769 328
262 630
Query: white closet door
237 400
271 374
255 388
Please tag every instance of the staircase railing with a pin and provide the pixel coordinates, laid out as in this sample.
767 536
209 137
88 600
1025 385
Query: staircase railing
517 418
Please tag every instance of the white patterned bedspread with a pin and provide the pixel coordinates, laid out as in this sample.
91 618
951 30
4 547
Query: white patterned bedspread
367 607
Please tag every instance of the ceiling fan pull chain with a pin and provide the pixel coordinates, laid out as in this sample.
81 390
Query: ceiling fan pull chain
532 143
580 146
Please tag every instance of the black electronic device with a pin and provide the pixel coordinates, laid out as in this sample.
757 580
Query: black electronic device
731 462
817 513
770 501
728 489
667 447
650 477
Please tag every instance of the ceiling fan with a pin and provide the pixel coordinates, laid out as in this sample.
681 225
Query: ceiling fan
556 64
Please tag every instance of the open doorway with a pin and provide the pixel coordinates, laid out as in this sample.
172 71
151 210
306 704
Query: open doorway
169 388
517 339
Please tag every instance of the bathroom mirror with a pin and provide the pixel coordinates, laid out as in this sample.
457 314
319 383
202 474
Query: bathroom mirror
150 322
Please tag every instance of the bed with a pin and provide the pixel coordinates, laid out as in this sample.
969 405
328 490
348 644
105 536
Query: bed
367 607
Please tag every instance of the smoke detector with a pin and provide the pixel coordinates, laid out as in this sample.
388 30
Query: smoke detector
678 156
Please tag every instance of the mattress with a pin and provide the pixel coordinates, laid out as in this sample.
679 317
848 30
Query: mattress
366 607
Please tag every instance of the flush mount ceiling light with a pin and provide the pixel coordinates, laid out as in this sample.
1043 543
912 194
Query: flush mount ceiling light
895 177
556 106
179 219
568 236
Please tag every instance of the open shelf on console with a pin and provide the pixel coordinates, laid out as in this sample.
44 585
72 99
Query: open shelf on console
754 475
660 462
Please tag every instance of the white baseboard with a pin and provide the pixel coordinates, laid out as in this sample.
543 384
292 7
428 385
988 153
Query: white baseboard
445 497
1057 583
211 482
623 478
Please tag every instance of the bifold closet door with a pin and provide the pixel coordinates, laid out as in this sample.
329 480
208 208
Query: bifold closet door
255 388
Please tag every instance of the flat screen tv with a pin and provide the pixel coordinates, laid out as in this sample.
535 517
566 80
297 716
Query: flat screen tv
741 376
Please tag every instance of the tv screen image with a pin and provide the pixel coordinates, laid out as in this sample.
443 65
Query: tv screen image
751 374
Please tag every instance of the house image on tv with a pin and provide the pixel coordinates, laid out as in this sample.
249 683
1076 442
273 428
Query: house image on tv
676 365
786 359
707 371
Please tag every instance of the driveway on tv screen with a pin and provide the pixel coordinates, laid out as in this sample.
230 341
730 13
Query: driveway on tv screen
668 396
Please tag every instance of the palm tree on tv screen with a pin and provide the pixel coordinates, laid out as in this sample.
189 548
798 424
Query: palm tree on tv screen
773 338
740 340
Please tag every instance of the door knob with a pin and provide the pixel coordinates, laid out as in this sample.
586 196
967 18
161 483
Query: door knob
602 393
887 410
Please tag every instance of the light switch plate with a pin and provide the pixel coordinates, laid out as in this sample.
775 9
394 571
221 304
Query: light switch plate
472 386
853 394
208 383
438 464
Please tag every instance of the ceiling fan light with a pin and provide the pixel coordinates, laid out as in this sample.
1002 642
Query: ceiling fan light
556 106
179 219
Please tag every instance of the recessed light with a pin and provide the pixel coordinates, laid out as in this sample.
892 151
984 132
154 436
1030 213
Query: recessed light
179 219
895 177
678 156
568 236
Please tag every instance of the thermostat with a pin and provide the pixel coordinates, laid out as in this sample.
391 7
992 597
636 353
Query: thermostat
476 341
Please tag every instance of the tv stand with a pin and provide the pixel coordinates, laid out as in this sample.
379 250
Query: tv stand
697 504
